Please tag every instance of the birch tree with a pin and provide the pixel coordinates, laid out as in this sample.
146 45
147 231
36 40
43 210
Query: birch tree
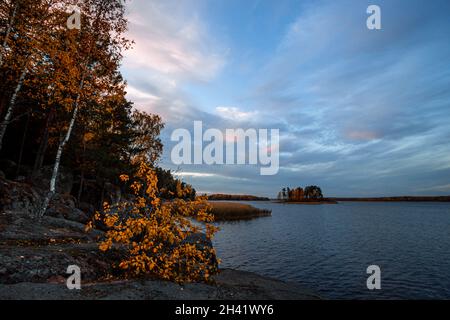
97 54
12 103
30 23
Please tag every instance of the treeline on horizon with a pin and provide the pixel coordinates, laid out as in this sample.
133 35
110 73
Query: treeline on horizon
397 198
63 105
235 197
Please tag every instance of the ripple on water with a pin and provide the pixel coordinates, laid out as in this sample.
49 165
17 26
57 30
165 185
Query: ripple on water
329 247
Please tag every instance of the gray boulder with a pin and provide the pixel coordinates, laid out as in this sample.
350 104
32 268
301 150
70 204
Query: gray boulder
64 182
63 206
18 197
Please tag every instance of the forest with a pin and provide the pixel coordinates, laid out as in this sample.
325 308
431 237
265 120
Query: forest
63 105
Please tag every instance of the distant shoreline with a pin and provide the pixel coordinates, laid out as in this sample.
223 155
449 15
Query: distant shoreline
397 199
331 200
235 197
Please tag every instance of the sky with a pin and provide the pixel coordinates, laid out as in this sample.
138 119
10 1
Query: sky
360 112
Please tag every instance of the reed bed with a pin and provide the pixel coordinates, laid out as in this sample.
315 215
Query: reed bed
230 211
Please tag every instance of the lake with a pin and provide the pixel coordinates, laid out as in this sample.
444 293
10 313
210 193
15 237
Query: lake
327 248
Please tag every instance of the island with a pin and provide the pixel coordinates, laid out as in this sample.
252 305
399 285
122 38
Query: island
308 195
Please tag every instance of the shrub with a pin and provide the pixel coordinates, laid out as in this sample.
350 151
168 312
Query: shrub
155 233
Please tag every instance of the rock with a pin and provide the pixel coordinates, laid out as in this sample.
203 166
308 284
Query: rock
63 206
199 238
46 262
18 197
42 250
86 208
18 228
8 167
230 285
77 215
22 198
202 243
64 182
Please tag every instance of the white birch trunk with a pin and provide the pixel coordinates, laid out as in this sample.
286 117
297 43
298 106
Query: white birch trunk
12 103
61 146
8 31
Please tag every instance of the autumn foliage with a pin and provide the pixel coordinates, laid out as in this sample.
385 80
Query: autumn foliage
158 235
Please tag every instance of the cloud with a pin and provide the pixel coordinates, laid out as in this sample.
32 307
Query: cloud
172 49
376 102
195 174
172 42
234 113
208 175
361 135
441 188
360 112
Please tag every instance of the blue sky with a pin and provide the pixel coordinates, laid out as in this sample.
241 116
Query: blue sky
360 112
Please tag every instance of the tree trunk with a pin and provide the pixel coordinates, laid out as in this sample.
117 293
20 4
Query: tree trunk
9 111
61 146
8 31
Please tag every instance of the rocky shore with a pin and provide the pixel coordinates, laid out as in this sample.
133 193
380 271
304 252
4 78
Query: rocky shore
229 285
34 257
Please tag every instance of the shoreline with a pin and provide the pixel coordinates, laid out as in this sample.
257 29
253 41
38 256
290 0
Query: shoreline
229 284
34 260
252 198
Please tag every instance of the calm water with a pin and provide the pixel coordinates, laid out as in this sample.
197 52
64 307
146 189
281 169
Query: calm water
327 248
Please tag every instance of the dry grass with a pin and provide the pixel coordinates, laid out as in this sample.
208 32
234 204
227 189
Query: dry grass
227 211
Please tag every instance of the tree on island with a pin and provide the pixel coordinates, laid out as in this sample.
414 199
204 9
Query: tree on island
313 193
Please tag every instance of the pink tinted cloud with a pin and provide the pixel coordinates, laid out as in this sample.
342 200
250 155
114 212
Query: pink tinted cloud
172 42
